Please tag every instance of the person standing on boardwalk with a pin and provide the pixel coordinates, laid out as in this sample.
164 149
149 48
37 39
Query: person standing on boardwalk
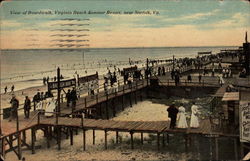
172 113
68 97
27 107
14 107
194 123
182 121
73 98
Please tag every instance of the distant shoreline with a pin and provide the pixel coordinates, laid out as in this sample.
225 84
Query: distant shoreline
219 46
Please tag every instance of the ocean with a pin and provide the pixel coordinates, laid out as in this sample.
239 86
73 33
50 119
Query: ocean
26 68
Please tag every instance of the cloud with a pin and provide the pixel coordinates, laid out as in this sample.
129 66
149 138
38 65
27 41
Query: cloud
236 20
10 23
195 16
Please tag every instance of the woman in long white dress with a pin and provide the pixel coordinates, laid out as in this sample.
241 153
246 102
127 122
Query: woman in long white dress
182 121
194 122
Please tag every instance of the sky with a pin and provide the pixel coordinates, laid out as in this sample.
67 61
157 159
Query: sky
151 23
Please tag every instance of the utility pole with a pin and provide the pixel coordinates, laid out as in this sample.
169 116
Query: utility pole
58 93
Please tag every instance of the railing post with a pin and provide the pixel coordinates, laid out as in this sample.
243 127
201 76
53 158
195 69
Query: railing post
97 98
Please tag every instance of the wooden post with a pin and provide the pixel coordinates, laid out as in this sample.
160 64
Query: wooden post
58 90
48 133
33 133
147 73
141 94
142 138
113 107
24 137
71 136
158 141
85 102
100 110
132 140
186 142
84 139
105 137
117 137
163 139
216 149
123 102
97 99
93 137
135 92
58 137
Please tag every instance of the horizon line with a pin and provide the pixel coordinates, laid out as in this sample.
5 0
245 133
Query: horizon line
119 47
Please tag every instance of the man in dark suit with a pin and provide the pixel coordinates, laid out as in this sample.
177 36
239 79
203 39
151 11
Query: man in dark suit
172 113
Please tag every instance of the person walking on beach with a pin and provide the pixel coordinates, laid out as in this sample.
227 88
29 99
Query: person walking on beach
12 88
14 107
27 107
5 89
172 114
